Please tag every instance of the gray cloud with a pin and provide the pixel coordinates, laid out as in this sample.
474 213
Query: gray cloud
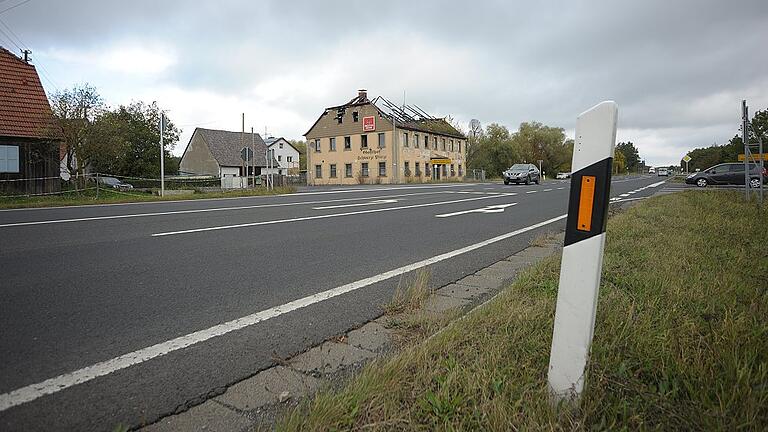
677 69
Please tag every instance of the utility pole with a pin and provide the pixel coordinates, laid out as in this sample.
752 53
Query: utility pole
253 156
242 146
162 154
745 140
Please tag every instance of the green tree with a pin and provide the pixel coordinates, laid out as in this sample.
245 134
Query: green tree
301 146
630 153
127 141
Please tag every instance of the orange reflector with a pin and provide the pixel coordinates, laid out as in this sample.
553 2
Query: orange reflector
586 198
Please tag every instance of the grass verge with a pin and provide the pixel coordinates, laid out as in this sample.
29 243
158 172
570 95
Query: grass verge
681 339
107 196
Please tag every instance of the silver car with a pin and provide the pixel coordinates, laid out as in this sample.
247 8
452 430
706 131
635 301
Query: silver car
522 173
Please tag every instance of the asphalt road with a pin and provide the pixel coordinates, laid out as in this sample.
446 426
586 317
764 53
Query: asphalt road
91 296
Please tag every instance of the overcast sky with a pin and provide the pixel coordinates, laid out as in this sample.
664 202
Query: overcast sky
677 69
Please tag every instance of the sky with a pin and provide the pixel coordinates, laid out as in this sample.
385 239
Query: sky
677 69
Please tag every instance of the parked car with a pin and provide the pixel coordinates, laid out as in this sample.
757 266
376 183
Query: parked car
563 175
662 172
115 183
652 171
727 173
522 173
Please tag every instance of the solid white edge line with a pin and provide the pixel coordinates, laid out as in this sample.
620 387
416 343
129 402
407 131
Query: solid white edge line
208 210
306 218
64 381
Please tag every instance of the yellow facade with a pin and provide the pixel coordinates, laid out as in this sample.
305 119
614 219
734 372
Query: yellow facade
337 153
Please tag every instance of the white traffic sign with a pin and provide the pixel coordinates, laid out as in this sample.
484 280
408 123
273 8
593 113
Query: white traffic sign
498 208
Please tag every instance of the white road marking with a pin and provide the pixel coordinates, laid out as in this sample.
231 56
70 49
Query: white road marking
305 218
498 208
656 184
377 202
531 192
547 190
334 191
560 188
53 385
215 209
632 192
624 195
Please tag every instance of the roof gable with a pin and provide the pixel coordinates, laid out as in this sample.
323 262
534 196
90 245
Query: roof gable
24 108
225 146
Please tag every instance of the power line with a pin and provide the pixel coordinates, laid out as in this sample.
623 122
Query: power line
14 6
43 71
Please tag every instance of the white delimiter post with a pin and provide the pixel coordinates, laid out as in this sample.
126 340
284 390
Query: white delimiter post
583 250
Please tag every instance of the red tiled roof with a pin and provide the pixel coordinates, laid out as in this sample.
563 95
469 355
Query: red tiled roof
24 107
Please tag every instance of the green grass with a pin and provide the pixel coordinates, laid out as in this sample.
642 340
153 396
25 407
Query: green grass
681 339
107 196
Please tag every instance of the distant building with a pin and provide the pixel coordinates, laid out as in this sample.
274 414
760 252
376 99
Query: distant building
218 153
30 139
375 141
285 153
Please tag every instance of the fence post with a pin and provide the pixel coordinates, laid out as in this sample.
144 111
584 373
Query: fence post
97 185
582 260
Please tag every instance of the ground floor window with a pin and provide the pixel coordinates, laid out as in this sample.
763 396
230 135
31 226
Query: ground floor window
9 158
333 170
460 172
364 169
407 169
453 173
418 172
382 169
347 170
318 171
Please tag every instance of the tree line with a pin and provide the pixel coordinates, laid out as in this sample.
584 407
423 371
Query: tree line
495 149
122 140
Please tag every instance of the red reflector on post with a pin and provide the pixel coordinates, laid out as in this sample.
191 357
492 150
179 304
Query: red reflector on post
586 199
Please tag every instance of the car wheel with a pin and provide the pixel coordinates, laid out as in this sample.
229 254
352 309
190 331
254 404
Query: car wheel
754 183
702 182
528 180
538 180
506 182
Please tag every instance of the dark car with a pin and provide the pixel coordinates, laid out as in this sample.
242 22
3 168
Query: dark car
727 174
115 183
521 173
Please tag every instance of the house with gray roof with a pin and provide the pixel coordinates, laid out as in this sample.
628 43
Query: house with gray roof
286 154
217 153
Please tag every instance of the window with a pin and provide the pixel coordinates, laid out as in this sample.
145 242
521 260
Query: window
318 171
720 169
317 146
434 144
9 158
405 139
443 144
333 171
460 172
415 140
279 158
382 169
381 140
281 146
737 168
364 141
355 116
451 145
459 151
347 143
407 167
426 168
347 170
289 158
426 142
453 173
333 144
418 172
364 169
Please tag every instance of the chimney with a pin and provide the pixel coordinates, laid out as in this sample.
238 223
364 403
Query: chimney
362 94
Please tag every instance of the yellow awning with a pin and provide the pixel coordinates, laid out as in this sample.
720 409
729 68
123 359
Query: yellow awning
440 161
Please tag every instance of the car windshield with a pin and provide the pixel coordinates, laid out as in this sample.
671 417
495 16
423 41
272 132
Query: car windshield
519 168
111 180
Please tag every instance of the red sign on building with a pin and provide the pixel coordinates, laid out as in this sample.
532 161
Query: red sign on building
369 124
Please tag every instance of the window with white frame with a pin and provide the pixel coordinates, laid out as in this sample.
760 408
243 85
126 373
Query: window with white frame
9 159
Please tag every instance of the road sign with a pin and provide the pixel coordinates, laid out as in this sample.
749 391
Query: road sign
369 124
582 250
686 158
755 156
246 154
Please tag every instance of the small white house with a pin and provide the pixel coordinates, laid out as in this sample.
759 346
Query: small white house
286 155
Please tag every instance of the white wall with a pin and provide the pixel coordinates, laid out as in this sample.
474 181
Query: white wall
282 155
